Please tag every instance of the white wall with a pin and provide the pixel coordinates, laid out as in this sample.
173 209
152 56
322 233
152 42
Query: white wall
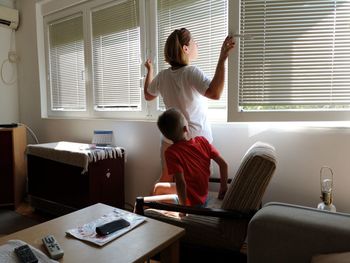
8 85
301 151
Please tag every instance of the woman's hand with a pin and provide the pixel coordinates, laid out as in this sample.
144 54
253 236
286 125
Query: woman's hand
148 64
226 47
148 80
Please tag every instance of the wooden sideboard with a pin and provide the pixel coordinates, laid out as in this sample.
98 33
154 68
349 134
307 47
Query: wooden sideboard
59 188
13 170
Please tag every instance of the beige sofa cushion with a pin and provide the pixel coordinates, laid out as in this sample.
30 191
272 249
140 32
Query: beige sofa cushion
288 233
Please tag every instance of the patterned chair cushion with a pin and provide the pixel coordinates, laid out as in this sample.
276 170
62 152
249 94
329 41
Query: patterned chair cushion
252 178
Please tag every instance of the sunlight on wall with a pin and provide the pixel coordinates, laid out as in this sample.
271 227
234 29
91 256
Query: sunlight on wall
257 128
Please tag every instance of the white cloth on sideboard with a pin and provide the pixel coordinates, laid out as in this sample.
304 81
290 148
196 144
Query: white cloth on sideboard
77 154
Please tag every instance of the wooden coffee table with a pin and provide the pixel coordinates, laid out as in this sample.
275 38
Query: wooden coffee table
138 245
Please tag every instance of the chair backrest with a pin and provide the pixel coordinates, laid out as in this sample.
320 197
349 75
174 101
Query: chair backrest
247 188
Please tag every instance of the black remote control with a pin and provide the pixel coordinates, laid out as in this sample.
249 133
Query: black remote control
111 227
25 254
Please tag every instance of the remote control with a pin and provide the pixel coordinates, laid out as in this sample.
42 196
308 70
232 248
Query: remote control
111 227
25 254
53 247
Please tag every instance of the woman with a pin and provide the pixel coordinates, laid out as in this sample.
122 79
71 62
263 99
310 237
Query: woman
185 87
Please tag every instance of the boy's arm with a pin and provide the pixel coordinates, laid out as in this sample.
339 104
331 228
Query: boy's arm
181 188
148 80
223 175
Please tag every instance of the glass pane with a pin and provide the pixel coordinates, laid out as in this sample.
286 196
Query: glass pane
299 57
208 24
67 83
116 57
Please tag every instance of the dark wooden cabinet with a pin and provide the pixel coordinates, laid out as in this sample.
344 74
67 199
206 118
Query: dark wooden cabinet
12 166
60 188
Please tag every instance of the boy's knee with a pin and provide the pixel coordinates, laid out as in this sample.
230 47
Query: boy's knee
159 189
162 188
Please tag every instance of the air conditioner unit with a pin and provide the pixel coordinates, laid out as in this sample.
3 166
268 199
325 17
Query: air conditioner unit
9 17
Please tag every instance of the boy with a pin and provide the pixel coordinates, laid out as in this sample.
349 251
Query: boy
188 161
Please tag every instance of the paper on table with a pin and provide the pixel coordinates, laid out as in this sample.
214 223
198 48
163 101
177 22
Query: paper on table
88 233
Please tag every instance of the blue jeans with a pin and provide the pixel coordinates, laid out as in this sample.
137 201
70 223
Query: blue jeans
203 205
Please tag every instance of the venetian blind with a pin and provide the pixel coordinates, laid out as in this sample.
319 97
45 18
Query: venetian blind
67 84
299 57
207 22
116 57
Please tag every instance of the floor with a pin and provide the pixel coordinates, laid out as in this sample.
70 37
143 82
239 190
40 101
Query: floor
23 217
189 253
26 210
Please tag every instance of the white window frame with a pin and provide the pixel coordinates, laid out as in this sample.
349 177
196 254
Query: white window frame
216 109
57 17
148 12
234 115
152 108
54 10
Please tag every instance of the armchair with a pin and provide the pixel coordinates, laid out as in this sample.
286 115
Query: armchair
222 224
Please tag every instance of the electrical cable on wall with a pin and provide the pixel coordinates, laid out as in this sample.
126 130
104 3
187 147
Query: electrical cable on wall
12 59
30 132
2 74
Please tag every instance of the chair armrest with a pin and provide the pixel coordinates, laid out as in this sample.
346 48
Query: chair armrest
215 212
217 180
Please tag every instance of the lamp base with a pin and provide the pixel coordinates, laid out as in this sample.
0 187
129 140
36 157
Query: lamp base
323 206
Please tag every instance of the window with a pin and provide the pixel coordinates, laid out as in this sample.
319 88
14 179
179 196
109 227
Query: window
207 21
297 61
94 67
67 85
116 57
295 65
94 52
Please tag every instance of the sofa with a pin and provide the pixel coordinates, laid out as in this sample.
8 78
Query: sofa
289 233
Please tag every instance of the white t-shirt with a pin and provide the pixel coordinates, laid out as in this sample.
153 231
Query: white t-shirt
184 89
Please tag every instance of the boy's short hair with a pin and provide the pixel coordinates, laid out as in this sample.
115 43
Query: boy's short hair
173 51
171 124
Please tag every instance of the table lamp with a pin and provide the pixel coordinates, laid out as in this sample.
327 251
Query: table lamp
326 180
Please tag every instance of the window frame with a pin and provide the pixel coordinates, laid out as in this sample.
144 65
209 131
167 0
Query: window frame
214 106
51 11
48 14
96 9
234 115
148 29
60 16
153 109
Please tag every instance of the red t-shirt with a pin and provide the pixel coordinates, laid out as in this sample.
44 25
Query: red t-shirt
192 159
